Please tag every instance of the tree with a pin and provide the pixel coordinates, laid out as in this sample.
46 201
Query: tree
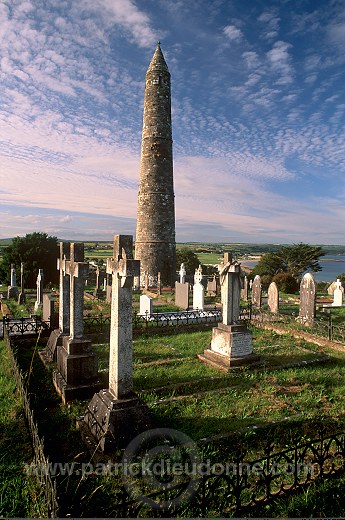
188 258
293 260
37 251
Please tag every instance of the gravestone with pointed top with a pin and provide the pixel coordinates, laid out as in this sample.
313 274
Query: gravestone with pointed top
231 343
116 415
273 298
76 376
307 304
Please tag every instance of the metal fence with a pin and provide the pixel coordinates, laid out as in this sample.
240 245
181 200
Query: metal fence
323 325
44 480
233 489
23 326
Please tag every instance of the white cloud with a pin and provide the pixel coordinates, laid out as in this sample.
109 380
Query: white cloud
233 33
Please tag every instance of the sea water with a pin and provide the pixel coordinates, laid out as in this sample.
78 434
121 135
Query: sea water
332 266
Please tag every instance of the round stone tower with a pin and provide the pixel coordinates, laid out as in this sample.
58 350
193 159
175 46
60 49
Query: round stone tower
155 234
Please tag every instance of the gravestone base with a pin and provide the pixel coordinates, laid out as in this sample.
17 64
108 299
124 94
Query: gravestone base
48 354
76 376
12 292
231 346
110 423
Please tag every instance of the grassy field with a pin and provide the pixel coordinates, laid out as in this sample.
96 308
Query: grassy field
19 496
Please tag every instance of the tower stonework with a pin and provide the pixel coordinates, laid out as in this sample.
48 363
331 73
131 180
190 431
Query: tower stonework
155 245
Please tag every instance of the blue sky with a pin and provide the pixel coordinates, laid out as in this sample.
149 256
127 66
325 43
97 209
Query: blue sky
258 108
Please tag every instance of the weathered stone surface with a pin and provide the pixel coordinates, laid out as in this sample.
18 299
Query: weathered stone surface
212 287
273 298
116 415
307 299
182 295
256 292
155 234
48 311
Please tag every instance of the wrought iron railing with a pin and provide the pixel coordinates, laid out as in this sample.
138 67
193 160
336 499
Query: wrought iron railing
23 326
234 488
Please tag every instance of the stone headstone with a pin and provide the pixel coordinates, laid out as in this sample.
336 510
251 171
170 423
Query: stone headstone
12 290
116 415
198 290
231 342
212 287
39 295
108 293
48 311
145 305
338 295
256 292
76 376
307 299
273 298
182 273
159 284
331 287
182 295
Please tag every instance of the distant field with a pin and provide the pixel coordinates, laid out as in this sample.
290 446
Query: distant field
209 258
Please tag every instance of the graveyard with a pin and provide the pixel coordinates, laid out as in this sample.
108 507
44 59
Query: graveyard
288 392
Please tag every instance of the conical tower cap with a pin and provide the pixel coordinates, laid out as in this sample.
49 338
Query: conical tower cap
158 62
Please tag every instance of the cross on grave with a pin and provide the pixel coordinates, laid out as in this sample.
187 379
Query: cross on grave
77 270
230 281
182 273
64 297
116 415
123 268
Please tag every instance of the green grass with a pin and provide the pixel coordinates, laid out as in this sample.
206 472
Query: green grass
19 495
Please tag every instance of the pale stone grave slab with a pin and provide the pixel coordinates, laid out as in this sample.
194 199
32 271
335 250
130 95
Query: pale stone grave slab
307 305
145 305
182 295
257 292
273 298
